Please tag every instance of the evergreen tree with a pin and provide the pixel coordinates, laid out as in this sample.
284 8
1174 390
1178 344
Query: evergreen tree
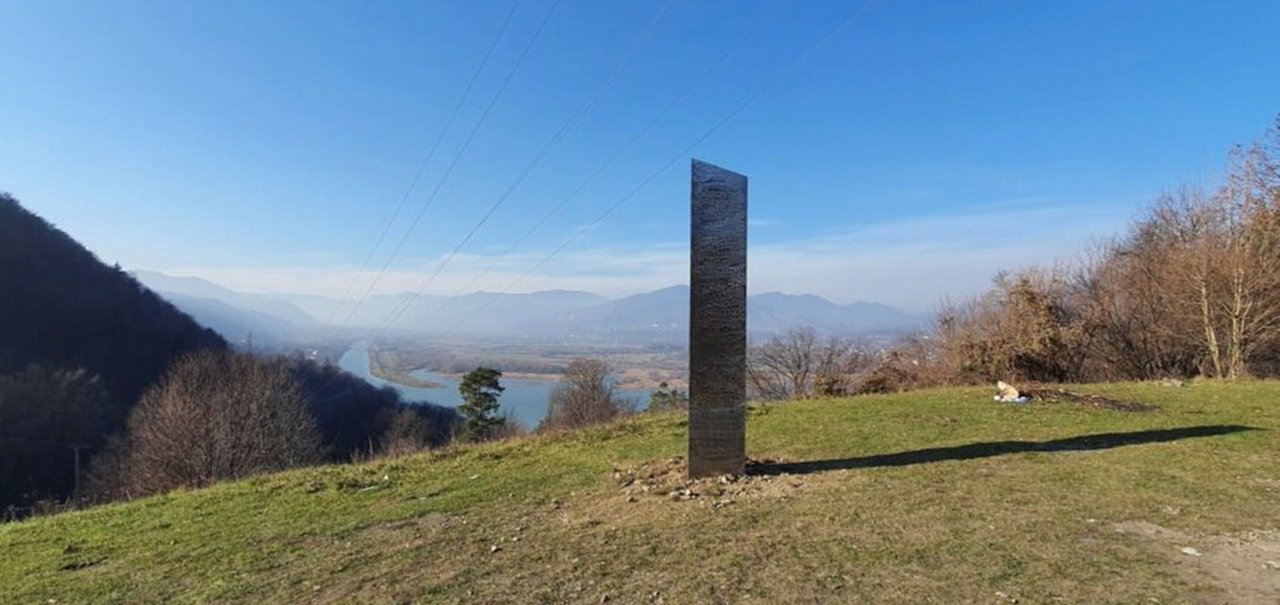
666 398
480 390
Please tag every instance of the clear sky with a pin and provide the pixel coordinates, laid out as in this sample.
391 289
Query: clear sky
264 145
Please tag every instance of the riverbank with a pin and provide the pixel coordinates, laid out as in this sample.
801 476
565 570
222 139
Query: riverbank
382 364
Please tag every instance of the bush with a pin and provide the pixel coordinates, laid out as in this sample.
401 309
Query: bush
585 396
213 416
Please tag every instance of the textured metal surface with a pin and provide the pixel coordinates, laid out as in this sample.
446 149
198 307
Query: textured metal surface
717 322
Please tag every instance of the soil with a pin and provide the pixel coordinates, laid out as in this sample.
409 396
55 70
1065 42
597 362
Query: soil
668 478
1242 569
1051 395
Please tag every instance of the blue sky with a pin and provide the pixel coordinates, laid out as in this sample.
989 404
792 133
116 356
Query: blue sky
264 145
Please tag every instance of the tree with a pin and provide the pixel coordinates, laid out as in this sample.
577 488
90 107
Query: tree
51 421
798 364
584 396
213 416
407 433
665 398
480 390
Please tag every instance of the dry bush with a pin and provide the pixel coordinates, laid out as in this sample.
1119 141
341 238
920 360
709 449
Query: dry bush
799 364
915 362
1026 327
584 396
1193 288
213 416
408 433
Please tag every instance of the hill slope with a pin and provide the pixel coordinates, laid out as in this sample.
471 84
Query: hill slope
939 496
234 315
62 307
78 343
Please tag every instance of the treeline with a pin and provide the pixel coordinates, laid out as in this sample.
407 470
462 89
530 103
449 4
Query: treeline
85 351
215 415
1191 289
221 415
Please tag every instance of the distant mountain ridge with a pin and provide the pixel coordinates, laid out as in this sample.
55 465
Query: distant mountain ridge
660 315
237 316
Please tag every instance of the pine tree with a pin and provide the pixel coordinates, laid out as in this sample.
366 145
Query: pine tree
480 390
666 398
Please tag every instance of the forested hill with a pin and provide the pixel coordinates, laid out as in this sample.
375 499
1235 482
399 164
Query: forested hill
61 307
79 343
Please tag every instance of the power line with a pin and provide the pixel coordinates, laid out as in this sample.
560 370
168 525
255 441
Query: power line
783 76
599 170
484 116
541 155
435 146
454 164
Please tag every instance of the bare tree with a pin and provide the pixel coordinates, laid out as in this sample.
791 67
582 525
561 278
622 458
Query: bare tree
584 396
1222 268
1192 288
799 364
215 416
408 433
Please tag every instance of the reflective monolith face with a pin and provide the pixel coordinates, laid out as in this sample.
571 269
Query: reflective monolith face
717 322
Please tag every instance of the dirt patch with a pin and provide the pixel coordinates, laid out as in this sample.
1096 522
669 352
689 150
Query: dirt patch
668 478
1058 395
1245 568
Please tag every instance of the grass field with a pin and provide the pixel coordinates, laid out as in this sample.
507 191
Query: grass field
932 497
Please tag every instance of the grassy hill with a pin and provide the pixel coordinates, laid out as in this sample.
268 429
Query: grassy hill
940 496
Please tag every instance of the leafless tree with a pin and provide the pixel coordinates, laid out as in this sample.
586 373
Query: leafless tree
1193 288
408 433
799 364
215 416
584 396
1222 268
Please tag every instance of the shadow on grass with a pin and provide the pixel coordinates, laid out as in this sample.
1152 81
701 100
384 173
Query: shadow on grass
1099 441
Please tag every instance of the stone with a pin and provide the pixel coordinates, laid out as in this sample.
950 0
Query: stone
717 322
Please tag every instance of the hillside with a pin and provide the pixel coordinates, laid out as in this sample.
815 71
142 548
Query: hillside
65 308
79 341
939 496
234 315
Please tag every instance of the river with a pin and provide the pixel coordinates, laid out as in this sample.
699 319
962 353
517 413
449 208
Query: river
526 400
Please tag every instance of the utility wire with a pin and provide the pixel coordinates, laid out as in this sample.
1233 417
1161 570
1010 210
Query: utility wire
541 155
599 170
524 53
454 164
783 76
422 167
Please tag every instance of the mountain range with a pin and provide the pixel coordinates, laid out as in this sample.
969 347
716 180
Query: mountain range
657 316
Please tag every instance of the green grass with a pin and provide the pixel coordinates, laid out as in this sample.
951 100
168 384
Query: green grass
1034 525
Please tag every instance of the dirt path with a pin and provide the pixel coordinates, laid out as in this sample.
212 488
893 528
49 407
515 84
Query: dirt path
1245 568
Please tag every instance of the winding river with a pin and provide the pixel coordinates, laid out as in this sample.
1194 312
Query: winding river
526 400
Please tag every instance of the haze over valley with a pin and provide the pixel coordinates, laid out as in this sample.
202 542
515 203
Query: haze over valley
657 317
